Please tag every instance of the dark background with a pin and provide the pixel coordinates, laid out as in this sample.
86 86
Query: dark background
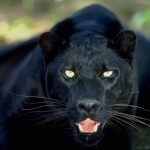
22 19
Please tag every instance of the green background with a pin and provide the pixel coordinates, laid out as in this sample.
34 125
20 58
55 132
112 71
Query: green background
21 19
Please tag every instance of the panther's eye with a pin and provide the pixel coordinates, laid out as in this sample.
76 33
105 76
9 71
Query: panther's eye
108 74
69 73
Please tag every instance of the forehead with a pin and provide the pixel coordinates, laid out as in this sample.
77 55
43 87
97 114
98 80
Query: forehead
89 51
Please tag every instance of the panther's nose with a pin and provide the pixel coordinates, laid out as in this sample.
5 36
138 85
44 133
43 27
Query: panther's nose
88 105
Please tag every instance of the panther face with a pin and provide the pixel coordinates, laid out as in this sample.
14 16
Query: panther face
92 76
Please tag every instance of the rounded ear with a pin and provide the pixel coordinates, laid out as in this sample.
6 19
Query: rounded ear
48 42
125 43
51 45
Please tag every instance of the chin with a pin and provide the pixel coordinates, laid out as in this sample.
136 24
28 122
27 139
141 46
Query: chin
88 139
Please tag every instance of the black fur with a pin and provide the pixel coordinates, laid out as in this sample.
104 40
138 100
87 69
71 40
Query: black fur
41 105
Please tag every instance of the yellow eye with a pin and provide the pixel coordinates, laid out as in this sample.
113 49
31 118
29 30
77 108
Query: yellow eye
108 73
69 73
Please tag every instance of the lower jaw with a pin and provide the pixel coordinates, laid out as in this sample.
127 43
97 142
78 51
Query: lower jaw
89 139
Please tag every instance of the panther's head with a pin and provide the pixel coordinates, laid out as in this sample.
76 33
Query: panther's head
90 80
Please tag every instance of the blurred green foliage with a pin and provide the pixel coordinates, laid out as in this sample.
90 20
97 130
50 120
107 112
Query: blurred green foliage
21 19
141 19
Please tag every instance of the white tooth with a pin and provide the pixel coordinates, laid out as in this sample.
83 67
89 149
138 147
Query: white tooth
80 128
77 124
95 128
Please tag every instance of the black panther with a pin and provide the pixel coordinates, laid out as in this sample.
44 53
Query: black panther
77 86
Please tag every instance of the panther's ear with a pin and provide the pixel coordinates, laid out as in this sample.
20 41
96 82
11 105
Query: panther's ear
51 45
125 43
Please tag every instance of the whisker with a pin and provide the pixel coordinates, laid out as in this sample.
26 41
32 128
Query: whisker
33 96
47 106
128 123
135 116
37 107
133 106
56 121
132 117
65 122
43 102
48 118
115 126
120 122
51 115
27 96
50 100
53 118
32 111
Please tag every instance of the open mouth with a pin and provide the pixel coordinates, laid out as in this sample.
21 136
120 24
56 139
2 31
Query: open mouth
88 126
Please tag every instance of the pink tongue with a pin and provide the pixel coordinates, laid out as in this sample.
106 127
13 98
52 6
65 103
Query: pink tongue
88 125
